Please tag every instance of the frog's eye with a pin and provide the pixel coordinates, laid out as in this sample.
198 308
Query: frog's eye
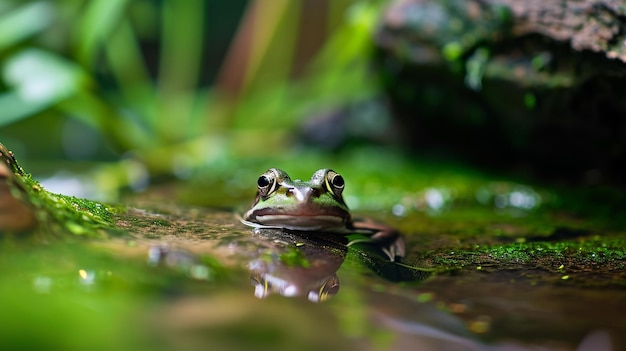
263 182
266 183
338 182
335 183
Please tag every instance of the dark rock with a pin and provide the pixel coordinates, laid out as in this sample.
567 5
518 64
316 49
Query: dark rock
524 85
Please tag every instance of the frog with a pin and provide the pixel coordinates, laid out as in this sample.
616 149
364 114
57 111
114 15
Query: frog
316 206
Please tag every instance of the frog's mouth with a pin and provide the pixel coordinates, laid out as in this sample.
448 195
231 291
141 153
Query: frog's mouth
298 221
317 222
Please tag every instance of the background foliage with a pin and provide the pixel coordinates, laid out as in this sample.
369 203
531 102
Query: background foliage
151 88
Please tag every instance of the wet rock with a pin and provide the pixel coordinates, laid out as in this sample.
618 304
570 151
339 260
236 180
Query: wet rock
534 86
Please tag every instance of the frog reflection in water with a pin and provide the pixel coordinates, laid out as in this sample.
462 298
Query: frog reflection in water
296 264
315 206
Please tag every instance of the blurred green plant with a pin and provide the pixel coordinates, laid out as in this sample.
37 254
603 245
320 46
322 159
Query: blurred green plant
136 71
65 62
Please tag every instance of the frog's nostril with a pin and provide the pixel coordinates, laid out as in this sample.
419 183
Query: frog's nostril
299 194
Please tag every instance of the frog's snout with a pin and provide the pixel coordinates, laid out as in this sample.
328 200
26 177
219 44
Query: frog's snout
303 194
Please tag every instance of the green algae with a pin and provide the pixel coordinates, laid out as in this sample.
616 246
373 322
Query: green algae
598 253
589 261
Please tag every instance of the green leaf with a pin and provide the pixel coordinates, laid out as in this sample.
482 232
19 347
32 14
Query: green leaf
25 22
41 77
99 20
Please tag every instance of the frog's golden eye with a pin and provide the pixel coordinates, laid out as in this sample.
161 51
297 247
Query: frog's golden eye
335 183
266 183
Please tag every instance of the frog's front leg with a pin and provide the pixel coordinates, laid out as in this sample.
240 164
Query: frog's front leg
389 239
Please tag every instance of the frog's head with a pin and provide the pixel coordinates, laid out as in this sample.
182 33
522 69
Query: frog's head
299 205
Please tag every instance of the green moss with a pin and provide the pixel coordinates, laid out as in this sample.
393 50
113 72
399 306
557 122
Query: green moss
60 214
596 253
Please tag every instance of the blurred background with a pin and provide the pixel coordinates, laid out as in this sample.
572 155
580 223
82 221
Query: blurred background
105 95
128 91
